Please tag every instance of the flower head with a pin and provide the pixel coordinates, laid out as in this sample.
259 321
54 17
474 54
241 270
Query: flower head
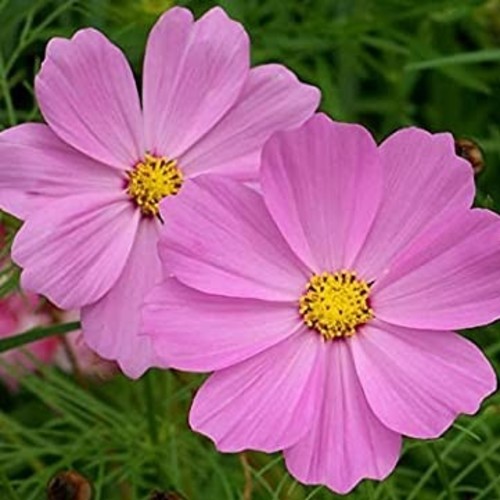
326 306
89 183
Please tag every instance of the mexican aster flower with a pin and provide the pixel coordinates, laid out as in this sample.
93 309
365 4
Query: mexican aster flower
88 184
17 314
326 306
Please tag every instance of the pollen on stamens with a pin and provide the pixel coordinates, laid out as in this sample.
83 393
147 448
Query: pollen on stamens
151 180
335 304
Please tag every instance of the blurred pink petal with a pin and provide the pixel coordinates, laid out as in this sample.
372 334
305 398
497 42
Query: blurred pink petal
88 362
19 313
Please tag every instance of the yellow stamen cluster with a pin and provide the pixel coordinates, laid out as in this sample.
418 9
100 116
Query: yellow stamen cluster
151 180
334 304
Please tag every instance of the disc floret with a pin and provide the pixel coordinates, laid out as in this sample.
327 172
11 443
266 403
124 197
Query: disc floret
335 304
151 180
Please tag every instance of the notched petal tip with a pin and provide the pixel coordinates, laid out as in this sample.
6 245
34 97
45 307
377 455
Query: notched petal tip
418 382
87 94
219 13
174 14
347 443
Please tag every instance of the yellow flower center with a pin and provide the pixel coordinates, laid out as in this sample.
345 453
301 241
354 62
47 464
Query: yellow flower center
335 304
151 180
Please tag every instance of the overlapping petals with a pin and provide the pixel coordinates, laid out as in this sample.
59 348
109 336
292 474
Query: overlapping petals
112 324
347 442
423 180
195 331
208 247
272 99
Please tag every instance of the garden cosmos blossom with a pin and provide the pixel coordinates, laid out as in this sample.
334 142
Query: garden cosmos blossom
88 184
325 306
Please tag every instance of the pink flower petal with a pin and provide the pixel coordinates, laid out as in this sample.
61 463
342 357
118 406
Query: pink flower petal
219 238
200 332
37 167
193 73
272 100
8 319
44 350
347 442
322 185
266 403
448 279
75 249
87 94
424 179
418 381
111 325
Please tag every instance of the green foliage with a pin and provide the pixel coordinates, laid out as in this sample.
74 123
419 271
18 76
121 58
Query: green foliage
384 63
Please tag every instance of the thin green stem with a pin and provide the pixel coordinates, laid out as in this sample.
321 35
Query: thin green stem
7 487
4 83
150 409
443 475
154 434
29 336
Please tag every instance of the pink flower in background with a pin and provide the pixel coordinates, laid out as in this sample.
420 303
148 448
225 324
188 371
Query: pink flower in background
17 314
326 306
76 356
88 184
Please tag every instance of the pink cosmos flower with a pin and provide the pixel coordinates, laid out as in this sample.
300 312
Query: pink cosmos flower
325 306
17 314
88 184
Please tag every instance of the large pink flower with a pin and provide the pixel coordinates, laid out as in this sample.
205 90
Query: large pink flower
326 306
88 184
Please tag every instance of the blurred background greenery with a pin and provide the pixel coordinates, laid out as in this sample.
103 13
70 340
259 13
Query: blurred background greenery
383 63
